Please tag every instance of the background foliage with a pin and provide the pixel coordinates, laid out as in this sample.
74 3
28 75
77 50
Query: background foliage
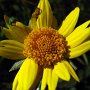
21 10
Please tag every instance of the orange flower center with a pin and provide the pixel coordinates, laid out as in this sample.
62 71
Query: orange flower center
46 46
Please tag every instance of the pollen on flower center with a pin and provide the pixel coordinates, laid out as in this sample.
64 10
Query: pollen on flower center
46 46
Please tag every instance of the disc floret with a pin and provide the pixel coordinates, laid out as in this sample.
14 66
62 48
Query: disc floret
46 46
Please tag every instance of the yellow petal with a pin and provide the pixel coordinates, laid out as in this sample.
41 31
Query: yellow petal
44 79
15 84
71 71
11 43
61 71
49 13
11 49
27 74
79 29
80 37
49 78
79 50
69 23
45 17
54 80
25 29
41 21
7 33
38 78
16 33
19 24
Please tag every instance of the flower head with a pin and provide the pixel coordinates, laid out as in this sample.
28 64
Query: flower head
46 51
46 46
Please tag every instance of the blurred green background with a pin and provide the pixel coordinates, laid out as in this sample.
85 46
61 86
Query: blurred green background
21 10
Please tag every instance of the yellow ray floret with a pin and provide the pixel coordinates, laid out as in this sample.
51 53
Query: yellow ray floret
69 23
62 71
79 50
24 74
71 71
11 49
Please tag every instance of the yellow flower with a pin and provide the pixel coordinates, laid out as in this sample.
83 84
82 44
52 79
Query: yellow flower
45 49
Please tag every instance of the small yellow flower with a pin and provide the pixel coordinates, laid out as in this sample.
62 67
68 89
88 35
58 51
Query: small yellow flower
45 49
